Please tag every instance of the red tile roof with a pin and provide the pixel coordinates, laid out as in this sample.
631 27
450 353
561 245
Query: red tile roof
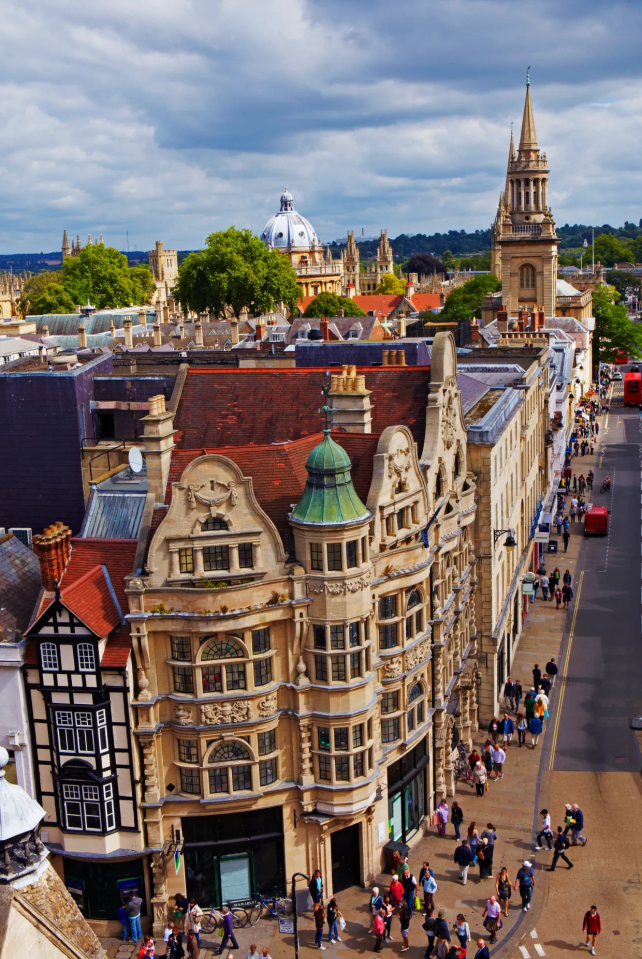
425 301
116 554
382 303
118 649
246 407
90 598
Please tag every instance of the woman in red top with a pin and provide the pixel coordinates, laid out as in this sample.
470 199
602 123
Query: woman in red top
592 925
396 892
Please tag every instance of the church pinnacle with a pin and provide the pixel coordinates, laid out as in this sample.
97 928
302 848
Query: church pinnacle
528 138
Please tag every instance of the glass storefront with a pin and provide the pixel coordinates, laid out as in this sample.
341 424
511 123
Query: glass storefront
407 793
99 888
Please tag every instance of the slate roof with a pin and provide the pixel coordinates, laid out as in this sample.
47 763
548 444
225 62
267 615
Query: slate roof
20 585
368 327
472 391
113 515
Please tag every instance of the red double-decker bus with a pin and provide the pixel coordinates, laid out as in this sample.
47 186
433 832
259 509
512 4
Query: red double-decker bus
633 389
621 358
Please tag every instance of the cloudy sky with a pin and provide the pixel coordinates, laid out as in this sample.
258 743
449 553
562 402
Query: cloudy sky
173 118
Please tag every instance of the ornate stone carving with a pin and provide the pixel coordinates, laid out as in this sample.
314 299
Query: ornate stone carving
217 714
340 589
183 715
21 855
143 686
417 653
448 426
301 673
150 771
393 668
267 705
194 495
305 732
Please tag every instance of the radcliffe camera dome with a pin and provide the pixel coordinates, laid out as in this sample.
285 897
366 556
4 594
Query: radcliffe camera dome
288 229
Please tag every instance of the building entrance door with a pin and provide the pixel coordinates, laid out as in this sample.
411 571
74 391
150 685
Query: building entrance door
346 858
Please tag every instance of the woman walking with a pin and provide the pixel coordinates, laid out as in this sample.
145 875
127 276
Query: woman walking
521 729
556 577
558 598
535 729
479 778
388 909
457 818
404 922
319 922
376 902
462 930
485 858
503 888
473 840
441 813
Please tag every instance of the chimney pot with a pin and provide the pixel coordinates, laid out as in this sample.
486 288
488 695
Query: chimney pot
385 358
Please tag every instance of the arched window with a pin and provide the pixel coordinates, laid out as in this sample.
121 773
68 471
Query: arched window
222 649
233 769
49 657
86 658
229 752
414 599
414 614
457 464
527 277
416 714
415 693
234 673
213 524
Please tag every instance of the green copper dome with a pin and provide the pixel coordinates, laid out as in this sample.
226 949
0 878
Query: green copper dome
329 496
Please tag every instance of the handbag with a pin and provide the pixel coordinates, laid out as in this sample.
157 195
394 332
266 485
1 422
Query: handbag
342 923
417 903
436 819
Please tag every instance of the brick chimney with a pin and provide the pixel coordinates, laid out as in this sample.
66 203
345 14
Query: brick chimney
157 334
350 401
325 328
127 327
541 319
53 547
198 334
165 313
502 321
474 330
385 358
234 330
259 330
82 337
158 439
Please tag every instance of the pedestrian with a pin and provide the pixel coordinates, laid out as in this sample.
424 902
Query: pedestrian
560 846
463 858
122 918
509 693
473 840
518 694
193 947
175 944
567 595
388 910
487 757
577 824
503 888
132 908
559 519
228 930
473 759
395 891
429 928
558 598
316 887
535 729
146 948
442 817
409 884
375 904
494 729
483 951
193 919
462 931
592 926
537 675
482 858
457 818
525 880
529 705
265 953
379 928
535 588
253 952
545 832
499 758
556 577
508 728
167 935
544 583
332 914
430 888
492 912
441 926
319 922
479 779
521 729
405 915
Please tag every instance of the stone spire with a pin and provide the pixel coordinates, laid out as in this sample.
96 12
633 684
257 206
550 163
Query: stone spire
66 249
511 158
528 138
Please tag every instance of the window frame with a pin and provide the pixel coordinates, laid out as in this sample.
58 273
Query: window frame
334 554
49 653
81 654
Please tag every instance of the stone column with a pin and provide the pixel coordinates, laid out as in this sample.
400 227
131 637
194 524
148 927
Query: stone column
234 556
199 569
159 898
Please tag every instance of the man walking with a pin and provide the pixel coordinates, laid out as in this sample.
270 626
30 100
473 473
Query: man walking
429 929
537 675
508 728
482 950
525 880
566 537
491 913
499 758
228 931
509 692
442 813
577 824
543 582
409 884
551 670
592 925
560 846
463 858
567 595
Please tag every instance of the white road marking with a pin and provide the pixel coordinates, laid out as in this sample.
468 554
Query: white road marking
539 950
524 952
533 933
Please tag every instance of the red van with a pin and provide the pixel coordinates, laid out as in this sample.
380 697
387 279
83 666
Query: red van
596 521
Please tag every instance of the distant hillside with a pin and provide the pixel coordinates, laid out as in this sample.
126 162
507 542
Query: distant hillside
40 262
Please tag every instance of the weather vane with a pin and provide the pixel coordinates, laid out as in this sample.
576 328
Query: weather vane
528 77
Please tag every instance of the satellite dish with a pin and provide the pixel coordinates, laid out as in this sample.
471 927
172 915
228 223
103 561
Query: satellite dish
135 459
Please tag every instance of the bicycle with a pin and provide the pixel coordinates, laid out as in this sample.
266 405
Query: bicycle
214 919
461 767
275 906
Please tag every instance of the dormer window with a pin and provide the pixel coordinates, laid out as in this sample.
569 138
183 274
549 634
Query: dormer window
49 657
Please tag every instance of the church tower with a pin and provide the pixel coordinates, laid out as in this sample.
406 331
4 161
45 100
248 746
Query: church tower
66 249
384 257
523 238
351 264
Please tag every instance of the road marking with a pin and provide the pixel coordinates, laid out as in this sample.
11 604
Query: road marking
533 933
524 951
539 950
563 675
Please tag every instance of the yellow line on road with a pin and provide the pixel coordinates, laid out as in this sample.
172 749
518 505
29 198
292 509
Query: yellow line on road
563 674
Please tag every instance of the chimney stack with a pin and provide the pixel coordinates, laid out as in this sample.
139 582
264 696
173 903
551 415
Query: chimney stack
259 330
198 334
401 358
142 317
385 358
351 406
45 330
157 334
159 443
234 330
542 319
410 290
165 313
82 338
401 327
502 321
325 328
53 548
351 292
474 330
127 326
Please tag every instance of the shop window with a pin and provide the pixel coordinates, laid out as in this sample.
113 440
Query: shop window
49 657
319 637
183 680
388 606
268 772
353 632
341 738
212 524
86 658
390 730
187 750
390 702
191 781
181 649
186 560
321 668
316 556
338 668
222 649
351 553
323 738
335 561
337 637
387 636
260 641
246 556
267 742
262 672
216 557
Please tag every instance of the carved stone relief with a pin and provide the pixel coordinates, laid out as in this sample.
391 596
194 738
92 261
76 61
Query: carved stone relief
418 653
393 667
267 705
216 714
183 715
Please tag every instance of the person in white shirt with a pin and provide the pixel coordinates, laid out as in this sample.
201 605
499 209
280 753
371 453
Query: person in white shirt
499 758
167 931
254 952
545 832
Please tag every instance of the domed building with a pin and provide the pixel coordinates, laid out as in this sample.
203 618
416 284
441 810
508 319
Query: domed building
290 233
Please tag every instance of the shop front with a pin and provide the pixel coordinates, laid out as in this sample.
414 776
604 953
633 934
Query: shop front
99 887
234 856
407 793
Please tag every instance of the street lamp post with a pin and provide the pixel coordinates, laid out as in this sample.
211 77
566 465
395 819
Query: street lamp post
297 875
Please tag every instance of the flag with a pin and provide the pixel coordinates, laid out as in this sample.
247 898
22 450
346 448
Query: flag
177 859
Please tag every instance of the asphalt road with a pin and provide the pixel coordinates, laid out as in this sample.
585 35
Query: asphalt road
603 686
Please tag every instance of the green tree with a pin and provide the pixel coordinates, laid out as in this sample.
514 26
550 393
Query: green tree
53 299
625 283
465 301
329 304
33 289
390 284
101 275
633 250
608 250
614 331
448 260
236 270
143 284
